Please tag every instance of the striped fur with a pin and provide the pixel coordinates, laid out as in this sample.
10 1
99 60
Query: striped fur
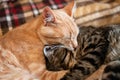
93 51
112 71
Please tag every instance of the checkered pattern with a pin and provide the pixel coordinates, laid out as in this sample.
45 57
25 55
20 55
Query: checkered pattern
16 12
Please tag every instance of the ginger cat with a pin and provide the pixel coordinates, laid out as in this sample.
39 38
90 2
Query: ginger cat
21 49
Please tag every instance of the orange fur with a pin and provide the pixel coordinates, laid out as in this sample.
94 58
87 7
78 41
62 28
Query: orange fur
21 50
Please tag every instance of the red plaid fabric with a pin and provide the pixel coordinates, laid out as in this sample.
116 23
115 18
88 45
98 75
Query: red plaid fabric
56 4
16 12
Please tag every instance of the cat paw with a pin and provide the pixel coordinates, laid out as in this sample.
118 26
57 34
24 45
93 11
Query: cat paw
112 71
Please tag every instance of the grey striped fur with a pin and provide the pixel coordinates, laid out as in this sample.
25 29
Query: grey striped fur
96 46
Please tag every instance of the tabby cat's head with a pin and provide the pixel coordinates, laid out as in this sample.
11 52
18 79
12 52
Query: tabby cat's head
59 27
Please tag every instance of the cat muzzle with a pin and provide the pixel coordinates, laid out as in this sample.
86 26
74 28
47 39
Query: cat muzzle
72 46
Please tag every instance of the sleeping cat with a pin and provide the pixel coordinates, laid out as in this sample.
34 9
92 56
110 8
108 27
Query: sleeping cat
21 49
96 46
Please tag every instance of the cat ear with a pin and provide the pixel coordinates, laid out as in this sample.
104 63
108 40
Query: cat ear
70 8
48 15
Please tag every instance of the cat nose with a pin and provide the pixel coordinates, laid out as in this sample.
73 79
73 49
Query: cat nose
75 44
75 49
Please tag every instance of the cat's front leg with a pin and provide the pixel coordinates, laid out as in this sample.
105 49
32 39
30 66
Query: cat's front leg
79 72
51 75
112 71
41 73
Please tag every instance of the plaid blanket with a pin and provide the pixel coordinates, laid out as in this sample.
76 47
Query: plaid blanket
16 12
97 12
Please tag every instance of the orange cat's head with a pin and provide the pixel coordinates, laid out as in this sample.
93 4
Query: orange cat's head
59 27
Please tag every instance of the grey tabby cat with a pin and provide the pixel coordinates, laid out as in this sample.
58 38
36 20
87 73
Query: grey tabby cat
96 47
